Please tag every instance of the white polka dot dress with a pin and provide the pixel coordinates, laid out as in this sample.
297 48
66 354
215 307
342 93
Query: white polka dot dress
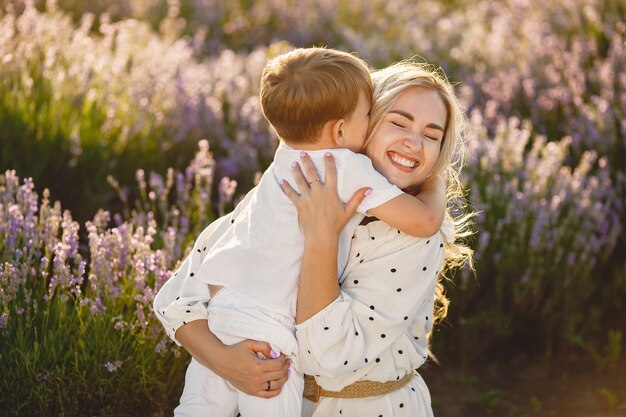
376 329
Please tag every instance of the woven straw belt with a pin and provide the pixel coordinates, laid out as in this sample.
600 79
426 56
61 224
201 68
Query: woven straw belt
359 389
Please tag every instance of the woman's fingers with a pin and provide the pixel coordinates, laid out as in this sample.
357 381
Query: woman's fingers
244 369
277 384
331 169
268 394
264 348
309 169
356 199
304 180
299 177
289 191
276 380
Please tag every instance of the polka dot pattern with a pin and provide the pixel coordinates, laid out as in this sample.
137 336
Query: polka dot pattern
384 305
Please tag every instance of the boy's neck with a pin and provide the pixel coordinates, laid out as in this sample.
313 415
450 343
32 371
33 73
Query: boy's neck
321 143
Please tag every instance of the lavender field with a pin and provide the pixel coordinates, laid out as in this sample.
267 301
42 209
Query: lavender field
127 126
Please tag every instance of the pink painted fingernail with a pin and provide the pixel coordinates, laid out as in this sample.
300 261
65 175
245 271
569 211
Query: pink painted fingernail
368 192
273 354
302 153
328 154
281 182
294 164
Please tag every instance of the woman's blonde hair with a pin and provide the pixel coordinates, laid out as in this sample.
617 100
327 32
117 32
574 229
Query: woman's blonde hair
389 84
303 89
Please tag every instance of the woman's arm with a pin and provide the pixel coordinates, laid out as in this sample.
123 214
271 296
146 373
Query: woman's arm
322 216
340 331
379 301
238 363
318 277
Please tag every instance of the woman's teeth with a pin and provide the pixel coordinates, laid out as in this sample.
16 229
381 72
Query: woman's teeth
402 161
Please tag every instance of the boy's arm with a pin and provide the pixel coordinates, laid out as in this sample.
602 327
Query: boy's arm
420 215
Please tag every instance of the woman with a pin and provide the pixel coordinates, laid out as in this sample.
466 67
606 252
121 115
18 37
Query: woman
439 141
373 323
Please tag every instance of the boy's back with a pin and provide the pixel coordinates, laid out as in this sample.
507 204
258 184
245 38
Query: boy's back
260 255
307 95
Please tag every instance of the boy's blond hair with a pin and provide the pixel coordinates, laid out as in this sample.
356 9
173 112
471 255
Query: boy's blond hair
304 89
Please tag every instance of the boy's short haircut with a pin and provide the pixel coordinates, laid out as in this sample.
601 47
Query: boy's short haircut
304 89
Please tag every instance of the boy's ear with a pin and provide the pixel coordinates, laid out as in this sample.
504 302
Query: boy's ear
337 134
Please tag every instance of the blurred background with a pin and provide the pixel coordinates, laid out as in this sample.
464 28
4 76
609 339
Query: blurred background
127 126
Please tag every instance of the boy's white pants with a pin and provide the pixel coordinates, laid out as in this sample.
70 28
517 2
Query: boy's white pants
233 318
208 395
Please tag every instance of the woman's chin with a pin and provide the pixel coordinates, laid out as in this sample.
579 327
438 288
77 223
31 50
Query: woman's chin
399 182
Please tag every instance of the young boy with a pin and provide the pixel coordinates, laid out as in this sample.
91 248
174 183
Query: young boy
318 101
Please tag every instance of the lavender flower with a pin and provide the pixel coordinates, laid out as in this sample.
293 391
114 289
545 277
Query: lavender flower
114 366
226 190
545 95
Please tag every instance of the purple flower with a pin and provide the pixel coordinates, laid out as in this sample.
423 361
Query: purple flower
160 347
112 367
97 306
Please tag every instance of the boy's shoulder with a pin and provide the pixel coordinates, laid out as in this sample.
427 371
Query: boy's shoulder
284 153
350 158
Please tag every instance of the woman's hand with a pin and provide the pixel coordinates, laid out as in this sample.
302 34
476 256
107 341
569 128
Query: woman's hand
320 211
238 363
322 215
245 371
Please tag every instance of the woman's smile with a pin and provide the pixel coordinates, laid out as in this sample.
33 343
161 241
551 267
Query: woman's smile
402 162
406 145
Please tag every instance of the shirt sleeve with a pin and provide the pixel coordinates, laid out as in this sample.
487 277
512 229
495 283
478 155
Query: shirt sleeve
184 298
356 172
378 303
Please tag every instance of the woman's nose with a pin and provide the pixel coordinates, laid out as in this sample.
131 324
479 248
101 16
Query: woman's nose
414 142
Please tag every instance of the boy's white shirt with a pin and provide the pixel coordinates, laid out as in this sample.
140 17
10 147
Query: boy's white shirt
259 254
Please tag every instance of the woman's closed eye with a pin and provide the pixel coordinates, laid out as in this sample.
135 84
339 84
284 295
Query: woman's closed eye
398 124
433 134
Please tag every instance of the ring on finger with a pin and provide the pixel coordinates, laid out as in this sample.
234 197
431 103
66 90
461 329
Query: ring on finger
268 386
315 180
